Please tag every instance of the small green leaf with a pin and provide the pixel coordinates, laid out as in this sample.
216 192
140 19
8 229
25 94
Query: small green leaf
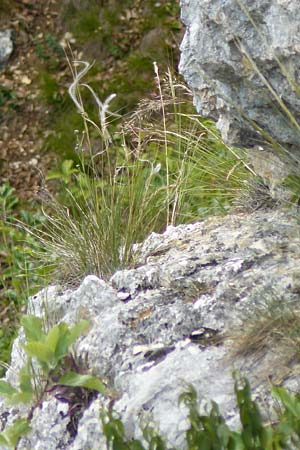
40 351
78 380
25 379
6 389
66 167
33 327
4 441
15 431
54 335
62 345
53 175
77 330
289 401
20 397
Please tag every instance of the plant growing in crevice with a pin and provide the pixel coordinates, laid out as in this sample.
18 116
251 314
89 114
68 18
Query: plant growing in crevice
272 323
50 368
134 181
209 430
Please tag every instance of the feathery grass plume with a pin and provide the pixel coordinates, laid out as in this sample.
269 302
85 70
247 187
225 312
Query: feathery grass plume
163 165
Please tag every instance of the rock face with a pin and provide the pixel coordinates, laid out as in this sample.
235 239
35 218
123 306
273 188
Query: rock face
235 55
6 46
170 321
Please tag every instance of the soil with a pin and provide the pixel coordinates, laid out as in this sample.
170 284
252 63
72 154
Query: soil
24 117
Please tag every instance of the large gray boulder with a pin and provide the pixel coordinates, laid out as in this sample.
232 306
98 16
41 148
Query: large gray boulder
235 55
170 321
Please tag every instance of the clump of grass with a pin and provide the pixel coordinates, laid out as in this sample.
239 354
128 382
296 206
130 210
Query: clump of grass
274 323
163 167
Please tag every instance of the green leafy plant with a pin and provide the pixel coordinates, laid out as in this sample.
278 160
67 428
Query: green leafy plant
49 50
10 437
209 431
48 350
134 181
50 367
64 173
114 432
19 275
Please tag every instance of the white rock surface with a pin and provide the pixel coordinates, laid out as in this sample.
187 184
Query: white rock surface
6 46
144 325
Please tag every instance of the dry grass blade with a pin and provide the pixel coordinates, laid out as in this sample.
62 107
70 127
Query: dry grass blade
273 325
175 170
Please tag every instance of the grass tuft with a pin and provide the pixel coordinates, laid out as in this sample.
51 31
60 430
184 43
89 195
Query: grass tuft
163 166
274 323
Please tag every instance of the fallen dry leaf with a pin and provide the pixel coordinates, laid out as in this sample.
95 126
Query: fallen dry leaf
25 80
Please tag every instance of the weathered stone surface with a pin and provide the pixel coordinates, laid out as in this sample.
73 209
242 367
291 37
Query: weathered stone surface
6 46
221 36
168 322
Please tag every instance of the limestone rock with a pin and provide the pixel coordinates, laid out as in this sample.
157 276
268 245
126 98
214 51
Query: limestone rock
168 322
233 54
6 46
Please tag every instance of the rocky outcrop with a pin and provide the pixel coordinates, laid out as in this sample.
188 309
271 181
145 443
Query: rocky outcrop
172 320
241 58
6 46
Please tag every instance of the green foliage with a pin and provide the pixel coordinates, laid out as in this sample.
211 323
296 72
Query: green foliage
209 431
64 172
175 170
289 424
46 369
9 438
86 381
113 430
20 275
48 350
292 183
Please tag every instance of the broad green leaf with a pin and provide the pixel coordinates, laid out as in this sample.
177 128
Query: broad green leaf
288 400
53 175
15 431
77 330
55 335
25 377
40 351
66 167
33 327
62 345
6 389
78 380
20 397
52 338
4 441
